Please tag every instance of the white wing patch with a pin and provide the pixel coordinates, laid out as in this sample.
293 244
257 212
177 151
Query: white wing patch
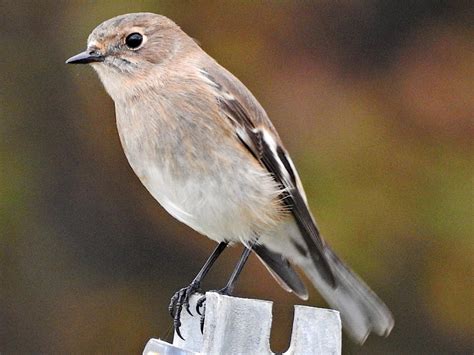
272 144
299 185
288 171
246 130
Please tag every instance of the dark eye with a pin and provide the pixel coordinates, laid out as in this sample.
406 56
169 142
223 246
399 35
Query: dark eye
134 40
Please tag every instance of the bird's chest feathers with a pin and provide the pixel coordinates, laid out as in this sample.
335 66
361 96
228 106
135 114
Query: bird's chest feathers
176 159
194 168
163 163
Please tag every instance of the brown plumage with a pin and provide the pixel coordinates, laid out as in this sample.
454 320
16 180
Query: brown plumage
205 149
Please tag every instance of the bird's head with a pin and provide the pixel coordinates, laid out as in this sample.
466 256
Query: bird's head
126 49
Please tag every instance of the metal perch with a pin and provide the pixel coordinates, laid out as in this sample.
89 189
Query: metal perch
242 326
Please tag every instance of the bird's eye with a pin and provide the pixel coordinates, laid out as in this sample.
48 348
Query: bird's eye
134 40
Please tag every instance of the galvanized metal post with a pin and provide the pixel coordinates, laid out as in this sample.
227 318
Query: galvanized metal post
242 326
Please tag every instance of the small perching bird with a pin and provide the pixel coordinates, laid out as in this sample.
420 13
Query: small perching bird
205 149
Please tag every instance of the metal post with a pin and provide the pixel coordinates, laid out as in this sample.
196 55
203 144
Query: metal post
242 326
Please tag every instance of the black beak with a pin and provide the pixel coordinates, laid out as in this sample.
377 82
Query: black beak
86 57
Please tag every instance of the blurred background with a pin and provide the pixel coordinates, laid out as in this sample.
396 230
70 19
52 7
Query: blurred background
374 100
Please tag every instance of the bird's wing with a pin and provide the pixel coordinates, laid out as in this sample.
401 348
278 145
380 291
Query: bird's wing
255 131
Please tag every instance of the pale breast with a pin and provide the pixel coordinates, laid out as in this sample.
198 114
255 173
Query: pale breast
223 207
200 175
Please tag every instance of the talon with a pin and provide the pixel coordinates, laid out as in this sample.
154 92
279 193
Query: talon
203 316
200 304
176 328
189 292
177 315
188 309
179 300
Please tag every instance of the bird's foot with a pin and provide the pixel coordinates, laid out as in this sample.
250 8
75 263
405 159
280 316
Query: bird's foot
179 300
201 304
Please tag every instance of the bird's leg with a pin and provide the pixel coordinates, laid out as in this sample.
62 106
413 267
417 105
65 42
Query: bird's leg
181 298
229 287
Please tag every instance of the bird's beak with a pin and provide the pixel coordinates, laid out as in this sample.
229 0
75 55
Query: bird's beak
86 57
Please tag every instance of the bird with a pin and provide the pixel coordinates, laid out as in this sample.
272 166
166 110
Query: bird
206 150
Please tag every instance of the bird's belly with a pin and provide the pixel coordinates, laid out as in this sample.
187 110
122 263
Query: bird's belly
230 205
203 179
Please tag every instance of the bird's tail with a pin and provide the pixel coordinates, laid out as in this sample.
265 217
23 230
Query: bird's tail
362 311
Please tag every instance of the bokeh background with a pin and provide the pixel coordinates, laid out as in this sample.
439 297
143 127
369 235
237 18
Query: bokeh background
374 100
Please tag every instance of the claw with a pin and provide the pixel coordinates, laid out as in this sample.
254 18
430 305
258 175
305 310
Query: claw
177 325
200 304
179 300
186 300
188 310
177 314
203 316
